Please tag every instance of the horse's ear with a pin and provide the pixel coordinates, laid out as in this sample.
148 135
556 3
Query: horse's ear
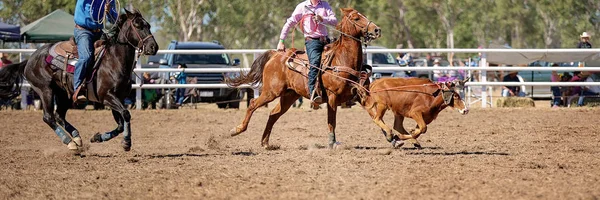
346 11
127 12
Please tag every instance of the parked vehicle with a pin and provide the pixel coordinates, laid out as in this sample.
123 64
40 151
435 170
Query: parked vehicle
382 60
542 92
224 97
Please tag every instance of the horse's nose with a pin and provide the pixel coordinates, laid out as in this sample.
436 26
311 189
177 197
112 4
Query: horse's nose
378 32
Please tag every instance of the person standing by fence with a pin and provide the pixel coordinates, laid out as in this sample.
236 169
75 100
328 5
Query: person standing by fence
181 78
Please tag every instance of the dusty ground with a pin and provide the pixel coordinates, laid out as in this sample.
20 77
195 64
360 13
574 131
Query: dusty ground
532 153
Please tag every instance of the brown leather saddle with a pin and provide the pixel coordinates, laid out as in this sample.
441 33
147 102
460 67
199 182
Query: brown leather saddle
68 49
297 60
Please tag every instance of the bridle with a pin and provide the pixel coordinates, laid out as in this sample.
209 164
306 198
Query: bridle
364 29
140 46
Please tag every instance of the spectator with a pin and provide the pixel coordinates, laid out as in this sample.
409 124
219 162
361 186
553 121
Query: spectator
150 96
556 94
587 91
585 41
437 74
4 61
404 60
181 78
508 91
429 60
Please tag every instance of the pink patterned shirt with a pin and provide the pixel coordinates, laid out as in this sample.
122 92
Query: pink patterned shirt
311 29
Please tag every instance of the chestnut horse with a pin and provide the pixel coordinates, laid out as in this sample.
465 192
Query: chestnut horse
279 81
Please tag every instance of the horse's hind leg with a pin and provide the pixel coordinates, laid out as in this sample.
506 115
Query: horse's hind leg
285 102
117 106
47 98
263 99
110 134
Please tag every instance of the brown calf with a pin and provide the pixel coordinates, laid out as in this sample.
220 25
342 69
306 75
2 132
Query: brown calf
419 99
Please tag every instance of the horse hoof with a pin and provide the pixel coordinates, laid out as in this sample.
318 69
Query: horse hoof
126 145
234 132
97 138
78 141
72 146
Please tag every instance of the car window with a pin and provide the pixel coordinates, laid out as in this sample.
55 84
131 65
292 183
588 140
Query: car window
381 58
221 59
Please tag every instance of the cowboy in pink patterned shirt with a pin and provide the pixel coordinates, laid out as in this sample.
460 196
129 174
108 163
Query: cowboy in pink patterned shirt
311 14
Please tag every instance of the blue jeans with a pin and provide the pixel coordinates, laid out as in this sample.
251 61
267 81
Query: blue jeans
180 95
582 96
314 50
556 95
85 48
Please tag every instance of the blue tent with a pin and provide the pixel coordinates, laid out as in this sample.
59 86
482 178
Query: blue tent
9 32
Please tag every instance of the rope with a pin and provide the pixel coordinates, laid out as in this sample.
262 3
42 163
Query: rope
106 6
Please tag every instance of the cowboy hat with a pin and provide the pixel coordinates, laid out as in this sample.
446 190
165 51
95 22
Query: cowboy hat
436 61
584 35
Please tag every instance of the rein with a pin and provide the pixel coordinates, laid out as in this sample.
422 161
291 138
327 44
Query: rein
139 48
365 42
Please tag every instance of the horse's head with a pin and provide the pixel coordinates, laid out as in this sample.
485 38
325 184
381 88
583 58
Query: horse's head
135 30
357 25
451 94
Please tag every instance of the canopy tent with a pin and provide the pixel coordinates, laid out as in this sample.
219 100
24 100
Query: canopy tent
9 32
591 59
54 27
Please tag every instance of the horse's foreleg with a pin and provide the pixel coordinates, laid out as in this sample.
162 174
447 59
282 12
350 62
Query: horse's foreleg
61 112
263 99
285 102
117 106
331 122
47 98
111 134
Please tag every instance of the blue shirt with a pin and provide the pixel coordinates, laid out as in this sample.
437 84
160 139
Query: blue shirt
89 16
181 77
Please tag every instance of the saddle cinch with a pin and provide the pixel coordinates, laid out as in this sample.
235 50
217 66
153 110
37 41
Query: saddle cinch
62 59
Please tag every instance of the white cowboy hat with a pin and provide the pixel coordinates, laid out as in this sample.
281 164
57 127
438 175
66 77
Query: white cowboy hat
585 35
436 61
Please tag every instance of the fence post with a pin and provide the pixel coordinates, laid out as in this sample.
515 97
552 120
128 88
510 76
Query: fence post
138 81
483 75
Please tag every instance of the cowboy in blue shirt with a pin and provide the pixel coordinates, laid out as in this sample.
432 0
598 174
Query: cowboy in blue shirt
90 17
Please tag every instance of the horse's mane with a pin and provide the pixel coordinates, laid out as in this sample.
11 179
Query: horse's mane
116 29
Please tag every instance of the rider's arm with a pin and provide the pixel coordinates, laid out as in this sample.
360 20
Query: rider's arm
292 21
329 18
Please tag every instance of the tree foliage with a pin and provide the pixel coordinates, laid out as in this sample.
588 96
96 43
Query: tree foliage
409 23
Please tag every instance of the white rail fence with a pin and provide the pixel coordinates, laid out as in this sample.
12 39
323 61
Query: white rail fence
482 69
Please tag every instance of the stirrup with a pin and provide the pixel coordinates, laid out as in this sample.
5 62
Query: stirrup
77 98
315 98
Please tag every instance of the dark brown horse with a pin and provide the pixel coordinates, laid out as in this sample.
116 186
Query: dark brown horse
279 81
112 80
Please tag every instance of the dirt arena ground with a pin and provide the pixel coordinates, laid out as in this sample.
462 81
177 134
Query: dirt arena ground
496 153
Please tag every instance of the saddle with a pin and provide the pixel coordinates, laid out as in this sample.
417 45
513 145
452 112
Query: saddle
62 59
297 61
63 55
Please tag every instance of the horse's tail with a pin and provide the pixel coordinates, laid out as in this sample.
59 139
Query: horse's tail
10 78
256 71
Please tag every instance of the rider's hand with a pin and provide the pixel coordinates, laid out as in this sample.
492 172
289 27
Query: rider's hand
280 46
318 18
